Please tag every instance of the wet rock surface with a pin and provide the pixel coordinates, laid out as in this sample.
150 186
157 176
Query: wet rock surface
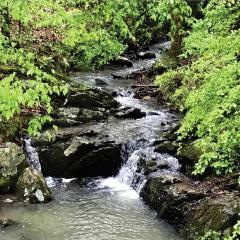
82 106
90 99
12 162
100 82
127 112
187 206
123 61
32 187
6 222
80 156
146 55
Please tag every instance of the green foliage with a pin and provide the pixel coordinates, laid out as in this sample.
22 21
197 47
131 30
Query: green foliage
40 39
213 235
208 88
178 14
28 96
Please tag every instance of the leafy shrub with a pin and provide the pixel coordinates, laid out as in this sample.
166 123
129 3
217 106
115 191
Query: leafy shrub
208 88
213 235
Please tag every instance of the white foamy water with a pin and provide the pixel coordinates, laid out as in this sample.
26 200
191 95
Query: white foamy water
32 155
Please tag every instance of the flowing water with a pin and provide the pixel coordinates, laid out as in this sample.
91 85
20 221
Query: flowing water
102 209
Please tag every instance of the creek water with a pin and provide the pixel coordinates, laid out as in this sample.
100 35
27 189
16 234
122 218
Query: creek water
102 209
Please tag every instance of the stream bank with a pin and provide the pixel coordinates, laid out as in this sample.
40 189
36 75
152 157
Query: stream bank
129 142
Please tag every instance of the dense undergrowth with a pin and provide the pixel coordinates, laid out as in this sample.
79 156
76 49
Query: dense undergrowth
206 87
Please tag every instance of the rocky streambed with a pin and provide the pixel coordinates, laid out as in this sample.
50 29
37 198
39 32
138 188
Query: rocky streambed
117 143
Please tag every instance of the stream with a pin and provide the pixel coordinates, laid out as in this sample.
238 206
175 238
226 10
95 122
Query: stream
103 208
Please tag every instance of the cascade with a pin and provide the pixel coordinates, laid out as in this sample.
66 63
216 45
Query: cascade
32 155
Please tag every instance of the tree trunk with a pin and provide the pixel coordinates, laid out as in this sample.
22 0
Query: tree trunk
6 21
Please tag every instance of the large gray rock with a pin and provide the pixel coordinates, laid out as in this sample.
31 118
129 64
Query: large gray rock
193 211
72 116
83 106
32 187
91 99
83 156
12 163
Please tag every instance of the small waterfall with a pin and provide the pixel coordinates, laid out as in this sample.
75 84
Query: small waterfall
32 155
130 173
136 155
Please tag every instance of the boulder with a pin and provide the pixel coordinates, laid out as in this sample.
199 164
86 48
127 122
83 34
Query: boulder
216 213
82 156
70 117
188 155
91 99
189 208
153 162
97 114
104 161
146 55
123 61
12 162
167 147
163 191
150 167
32 187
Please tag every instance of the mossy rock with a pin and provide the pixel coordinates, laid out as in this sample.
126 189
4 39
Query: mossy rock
12 163
188 155
32 187
218 214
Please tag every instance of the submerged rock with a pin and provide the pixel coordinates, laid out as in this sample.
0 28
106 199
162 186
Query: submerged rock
32 187
12 162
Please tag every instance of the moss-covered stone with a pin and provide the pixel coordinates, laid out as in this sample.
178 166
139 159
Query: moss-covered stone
192 211
12 163
32 187
188 155
167 147
217 214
